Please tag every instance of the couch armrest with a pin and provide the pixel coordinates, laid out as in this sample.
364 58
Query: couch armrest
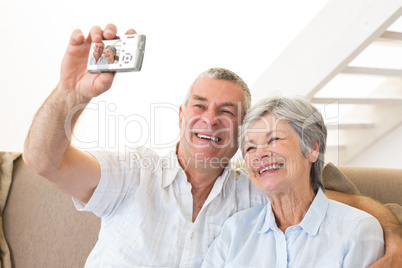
41 225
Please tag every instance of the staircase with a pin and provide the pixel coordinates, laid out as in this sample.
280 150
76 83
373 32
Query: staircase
348 62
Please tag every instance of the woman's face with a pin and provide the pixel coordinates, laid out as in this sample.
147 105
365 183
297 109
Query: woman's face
274 159
108 54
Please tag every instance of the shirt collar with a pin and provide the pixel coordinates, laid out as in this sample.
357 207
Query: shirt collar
316 213
171 168
268 219
222 183
311 222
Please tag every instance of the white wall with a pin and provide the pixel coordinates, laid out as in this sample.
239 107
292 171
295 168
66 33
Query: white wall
183 39
386 153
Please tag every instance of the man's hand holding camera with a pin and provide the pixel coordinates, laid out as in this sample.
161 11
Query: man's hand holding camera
74 77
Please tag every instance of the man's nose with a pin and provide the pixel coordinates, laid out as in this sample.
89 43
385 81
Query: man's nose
211 117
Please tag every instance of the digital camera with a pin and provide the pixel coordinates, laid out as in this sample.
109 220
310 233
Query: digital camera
118 55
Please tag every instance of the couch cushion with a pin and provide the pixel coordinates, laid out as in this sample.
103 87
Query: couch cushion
335 180
6 173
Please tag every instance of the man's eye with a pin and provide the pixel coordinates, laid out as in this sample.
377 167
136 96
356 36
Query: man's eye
198 106
227 112
250 148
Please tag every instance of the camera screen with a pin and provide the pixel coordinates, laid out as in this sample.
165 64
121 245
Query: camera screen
105 52
118 55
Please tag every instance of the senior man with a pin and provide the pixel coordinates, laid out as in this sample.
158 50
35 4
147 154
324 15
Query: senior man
96 57
165 215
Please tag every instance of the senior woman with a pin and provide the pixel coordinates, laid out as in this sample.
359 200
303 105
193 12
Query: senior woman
109 53
283 141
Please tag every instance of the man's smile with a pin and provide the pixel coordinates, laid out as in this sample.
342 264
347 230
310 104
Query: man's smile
207 137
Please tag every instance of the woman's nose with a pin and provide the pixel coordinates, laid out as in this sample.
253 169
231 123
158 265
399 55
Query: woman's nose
262 151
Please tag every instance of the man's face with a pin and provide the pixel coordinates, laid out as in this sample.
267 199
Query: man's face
98 49
209 123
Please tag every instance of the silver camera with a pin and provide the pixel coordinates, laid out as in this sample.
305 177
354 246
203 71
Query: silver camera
118 55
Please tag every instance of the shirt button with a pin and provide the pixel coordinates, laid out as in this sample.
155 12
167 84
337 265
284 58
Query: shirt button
192 235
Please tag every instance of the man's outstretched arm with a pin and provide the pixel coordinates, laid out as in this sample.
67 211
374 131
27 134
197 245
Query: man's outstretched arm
390 224
47 148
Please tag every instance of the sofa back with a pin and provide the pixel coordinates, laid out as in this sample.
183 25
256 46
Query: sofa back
382 184
43 229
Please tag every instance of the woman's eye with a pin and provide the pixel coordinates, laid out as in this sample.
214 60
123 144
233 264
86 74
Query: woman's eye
273 139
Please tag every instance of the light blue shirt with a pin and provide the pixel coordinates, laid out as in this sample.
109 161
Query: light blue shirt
330 235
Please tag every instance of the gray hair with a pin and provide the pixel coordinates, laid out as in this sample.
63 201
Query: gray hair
303 117
113 49
222 74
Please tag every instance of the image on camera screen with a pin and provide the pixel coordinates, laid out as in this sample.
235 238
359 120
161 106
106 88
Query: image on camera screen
105 52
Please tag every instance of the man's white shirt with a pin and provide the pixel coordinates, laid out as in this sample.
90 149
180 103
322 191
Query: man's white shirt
146 205
101 61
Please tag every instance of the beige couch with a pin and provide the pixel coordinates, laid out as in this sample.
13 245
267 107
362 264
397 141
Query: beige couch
43 229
